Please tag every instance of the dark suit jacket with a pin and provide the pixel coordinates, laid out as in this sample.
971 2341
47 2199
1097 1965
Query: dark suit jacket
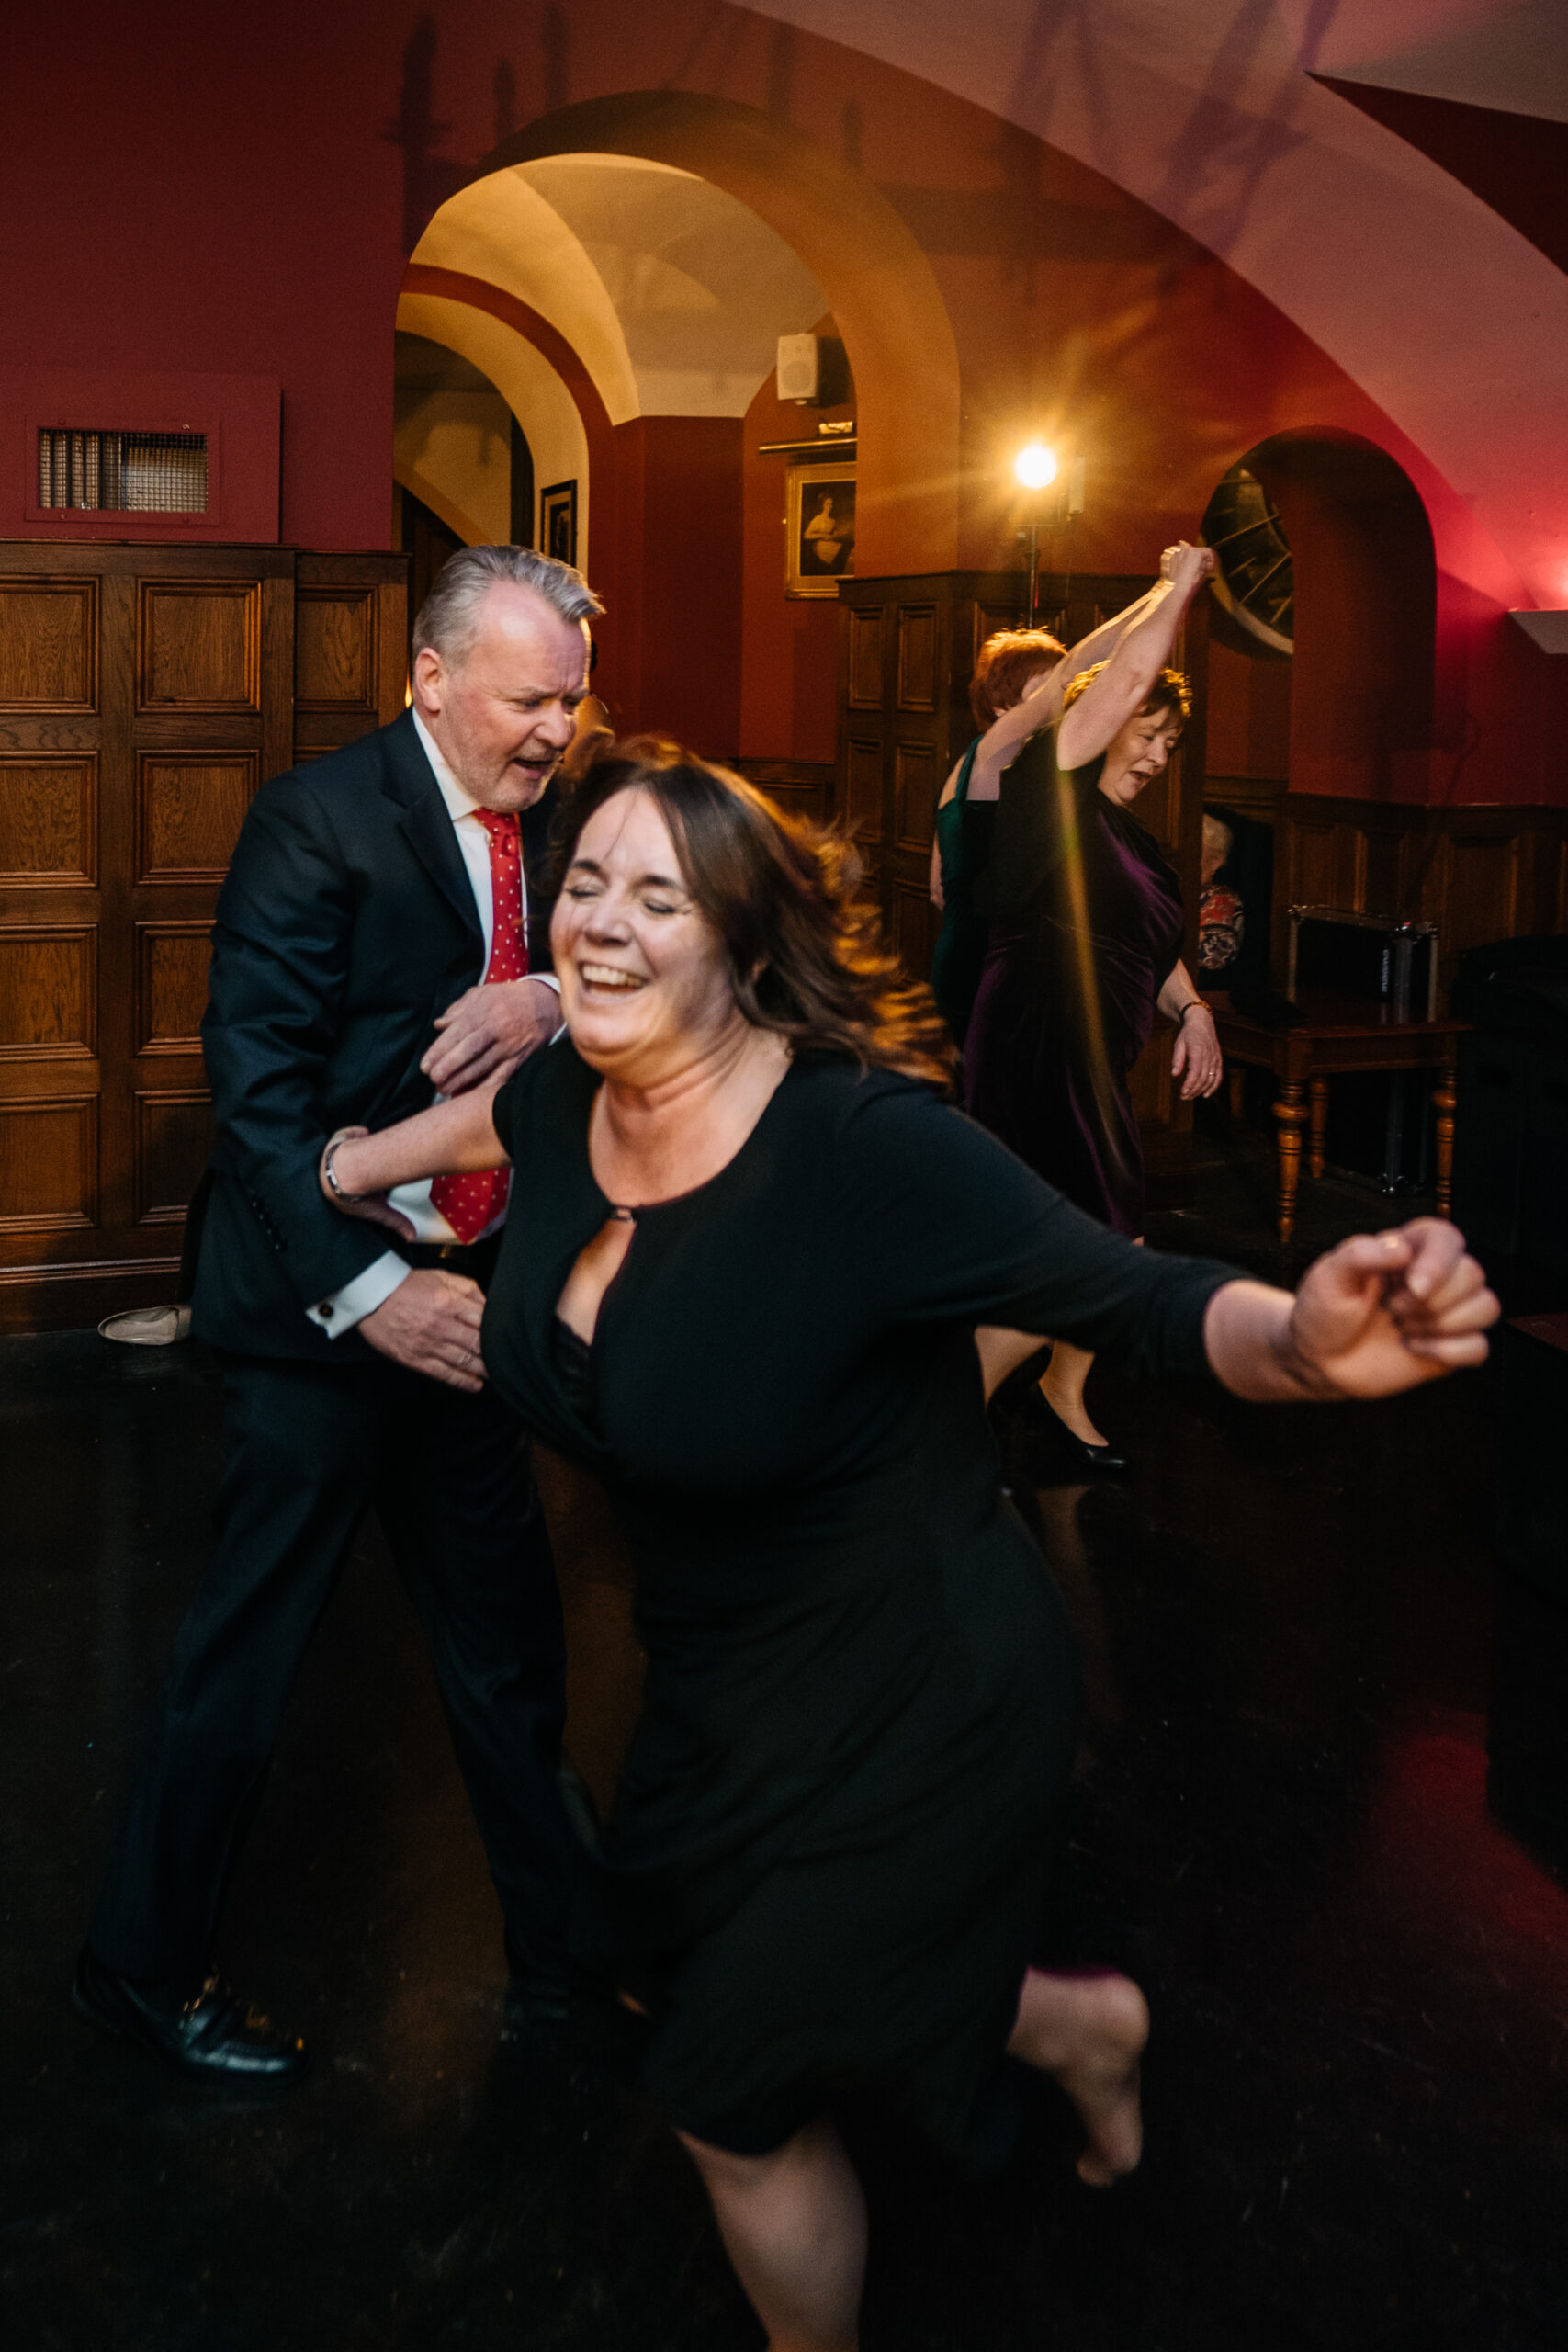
346 923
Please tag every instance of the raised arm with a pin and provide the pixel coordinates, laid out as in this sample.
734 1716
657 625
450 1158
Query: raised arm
1122 686
1041 703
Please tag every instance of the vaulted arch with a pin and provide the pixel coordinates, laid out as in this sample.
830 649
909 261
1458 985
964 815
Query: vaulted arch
876 280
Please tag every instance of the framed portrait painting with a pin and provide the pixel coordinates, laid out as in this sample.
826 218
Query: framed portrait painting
820 528
557 521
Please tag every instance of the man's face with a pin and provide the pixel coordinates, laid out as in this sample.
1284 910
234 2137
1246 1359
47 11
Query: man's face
502 716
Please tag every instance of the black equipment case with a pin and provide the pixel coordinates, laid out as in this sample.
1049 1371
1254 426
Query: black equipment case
1372 956
1379 1122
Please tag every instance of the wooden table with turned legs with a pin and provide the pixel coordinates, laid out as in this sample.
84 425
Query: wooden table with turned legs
1336 1033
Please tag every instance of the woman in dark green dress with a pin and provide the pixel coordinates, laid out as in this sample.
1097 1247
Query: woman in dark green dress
1011 668
748 1246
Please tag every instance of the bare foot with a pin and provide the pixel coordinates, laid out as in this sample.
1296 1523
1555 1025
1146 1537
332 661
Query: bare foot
1087 2030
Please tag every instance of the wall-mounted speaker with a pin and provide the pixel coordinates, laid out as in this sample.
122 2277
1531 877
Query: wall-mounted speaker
799 368
814 371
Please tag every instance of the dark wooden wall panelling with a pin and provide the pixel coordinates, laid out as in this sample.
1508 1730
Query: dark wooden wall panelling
144 694
800 788
907 655
1478 873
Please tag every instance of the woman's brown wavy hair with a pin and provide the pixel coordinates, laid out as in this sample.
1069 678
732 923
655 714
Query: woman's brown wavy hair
805 952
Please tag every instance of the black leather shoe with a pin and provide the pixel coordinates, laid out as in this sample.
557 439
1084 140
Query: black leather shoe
1041 1418
213 2037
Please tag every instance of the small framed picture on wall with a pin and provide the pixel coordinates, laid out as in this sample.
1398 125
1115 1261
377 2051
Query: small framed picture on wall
557 521
821 529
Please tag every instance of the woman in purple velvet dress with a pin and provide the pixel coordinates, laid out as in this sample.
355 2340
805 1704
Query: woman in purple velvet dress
1086 926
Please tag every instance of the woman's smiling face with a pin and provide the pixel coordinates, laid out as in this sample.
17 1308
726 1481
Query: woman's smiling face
644 979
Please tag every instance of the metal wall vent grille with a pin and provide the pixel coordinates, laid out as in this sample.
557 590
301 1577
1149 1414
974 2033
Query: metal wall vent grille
141 474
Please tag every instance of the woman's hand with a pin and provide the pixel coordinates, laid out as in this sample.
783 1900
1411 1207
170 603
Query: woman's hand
1188 567
1196 1058
374 1207
1386 1311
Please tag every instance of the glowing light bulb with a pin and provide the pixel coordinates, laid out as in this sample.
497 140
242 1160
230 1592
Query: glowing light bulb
1035 466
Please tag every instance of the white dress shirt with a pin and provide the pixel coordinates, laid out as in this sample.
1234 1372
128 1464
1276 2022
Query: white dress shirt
371 1289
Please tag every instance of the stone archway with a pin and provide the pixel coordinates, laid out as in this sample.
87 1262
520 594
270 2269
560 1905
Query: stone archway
1362 718
879 284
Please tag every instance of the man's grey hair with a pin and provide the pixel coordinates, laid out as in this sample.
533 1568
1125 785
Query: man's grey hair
449 621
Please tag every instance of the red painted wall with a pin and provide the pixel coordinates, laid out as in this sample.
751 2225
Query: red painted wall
676 569
236 194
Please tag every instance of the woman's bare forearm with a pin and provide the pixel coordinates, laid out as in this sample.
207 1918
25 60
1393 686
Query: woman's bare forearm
1178 993
450 1139
1246 1335
1101 642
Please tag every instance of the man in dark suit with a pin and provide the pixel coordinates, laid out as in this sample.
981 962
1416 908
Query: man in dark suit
376 942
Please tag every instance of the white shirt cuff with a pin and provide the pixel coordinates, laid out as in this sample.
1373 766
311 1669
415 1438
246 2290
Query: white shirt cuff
548 978
360 1298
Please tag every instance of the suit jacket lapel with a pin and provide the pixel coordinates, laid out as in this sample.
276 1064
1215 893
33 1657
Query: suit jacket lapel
426 822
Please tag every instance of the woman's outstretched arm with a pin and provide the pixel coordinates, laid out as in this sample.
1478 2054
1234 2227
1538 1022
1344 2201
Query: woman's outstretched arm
1382 1313
450 1139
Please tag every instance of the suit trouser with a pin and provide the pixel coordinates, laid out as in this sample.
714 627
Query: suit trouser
307 1451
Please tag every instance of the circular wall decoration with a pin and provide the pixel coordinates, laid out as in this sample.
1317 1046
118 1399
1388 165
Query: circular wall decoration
1255 581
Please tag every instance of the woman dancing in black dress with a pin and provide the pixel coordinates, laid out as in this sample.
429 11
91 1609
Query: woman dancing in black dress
1086 927
748 1248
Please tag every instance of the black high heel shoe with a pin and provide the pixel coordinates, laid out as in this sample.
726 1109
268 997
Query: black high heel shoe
1039 1415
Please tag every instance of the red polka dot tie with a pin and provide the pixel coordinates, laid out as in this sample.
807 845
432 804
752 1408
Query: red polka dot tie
470 1203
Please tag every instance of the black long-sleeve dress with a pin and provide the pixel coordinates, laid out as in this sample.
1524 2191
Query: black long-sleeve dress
829 1854
1086 927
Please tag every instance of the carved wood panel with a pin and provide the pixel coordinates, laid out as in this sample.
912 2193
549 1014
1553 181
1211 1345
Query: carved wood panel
49 820
802 788
189 809
49 1155
917 657
172 961
918 778
913 925
49 998
863 789
334 650
866 660
173 1139
49 645
350 648
198 645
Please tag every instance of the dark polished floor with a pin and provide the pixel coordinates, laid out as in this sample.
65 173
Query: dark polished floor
1356 2090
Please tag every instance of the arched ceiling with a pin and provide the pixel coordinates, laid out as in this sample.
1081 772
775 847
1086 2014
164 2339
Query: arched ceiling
1209 111
673 294
435 451
1511 54
702 287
